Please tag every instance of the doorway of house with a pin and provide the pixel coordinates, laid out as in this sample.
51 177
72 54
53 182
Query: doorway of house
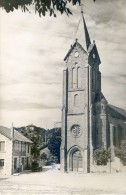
15 164
27 162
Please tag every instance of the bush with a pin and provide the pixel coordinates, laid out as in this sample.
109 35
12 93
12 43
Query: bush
35 166
101 156
48 163
53 159
43 156
120 152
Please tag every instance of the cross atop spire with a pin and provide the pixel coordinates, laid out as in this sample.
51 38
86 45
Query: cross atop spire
82 32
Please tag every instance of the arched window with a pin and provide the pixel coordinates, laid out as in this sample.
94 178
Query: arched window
73 77
114 136
76 100
78 77
92 78
120 134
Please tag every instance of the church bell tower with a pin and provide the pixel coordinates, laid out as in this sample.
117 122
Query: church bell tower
81 83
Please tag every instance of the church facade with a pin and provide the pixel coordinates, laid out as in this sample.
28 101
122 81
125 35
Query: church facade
88 121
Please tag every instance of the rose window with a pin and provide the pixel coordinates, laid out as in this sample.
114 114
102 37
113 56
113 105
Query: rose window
76 130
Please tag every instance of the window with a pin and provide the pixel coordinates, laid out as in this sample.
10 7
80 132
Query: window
15 163
2 146
76 130
93 78
94 56
76 100
1 162
23 147
120 134
22 160
32 128
28 148
16 146
73 77
78 77
19 145
114 136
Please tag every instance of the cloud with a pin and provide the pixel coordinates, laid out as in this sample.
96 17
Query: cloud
20 104
107 11
116 79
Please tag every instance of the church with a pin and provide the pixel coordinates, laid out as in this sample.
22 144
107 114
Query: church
89 122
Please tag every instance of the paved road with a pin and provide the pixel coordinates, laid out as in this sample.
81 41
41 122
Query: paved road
56 183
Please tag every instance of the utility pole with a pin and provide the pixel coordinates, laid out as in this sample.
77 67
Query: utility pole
45 134
111 146
12 142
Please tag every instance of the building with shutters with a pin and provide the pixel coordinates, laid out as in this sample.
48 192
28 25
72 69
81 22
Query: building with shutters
15 151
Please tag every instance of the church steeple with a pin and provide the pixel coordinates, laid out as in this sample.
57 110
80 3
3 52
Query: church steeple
82 34
81 85
82 39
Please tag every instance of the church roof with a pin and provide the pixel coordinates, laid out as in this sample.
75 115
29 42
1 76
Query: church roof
100 97
91 47
116 112
17 136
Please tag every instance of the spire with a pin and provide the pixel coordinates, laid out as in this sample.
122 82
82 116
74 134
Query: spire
82 34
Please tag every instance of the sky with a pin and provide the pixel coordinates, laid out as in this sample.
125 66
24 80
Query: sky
32 50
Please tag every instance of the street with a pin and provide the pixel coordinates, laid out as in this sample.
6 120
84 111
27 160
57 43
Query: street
56 183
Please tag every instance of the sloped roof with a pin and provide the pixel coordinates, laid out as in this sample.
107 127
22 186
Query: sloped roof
100 97
17 136
90 47
116 112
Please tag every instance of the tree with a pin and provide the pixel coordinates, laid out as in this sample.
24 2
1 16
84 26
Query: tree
40 6
36 135
54 146
35 151
101 156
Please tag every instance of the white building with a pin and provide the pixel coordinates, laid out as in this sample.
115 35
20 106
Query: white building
15 151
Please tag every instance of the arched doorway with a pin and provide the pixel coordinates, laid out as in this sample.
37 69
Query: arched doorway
76 160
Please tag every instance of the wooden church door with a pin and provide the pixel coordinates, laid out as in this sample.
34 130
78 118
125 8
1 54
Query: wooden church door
77 161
